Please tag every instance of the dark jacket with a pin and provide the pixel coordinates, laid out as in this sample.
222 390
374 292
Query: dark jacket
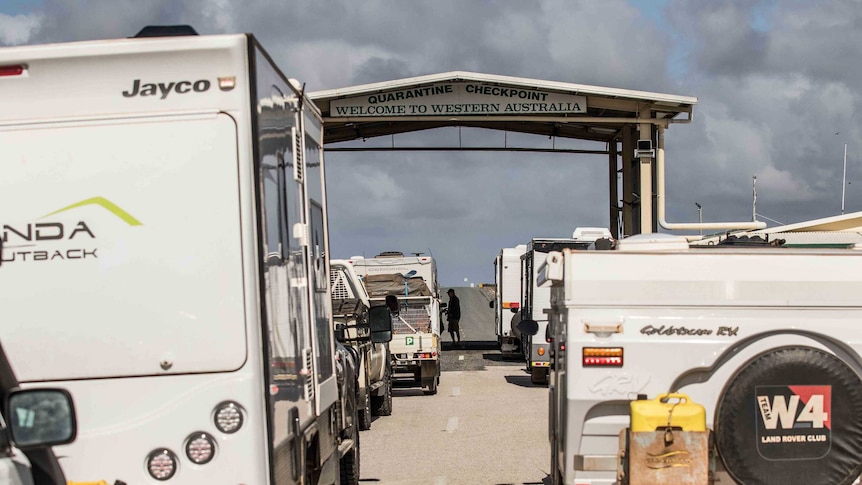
454 311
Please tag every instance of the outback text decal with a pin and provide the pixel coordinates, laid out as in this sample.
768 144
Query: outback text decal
164 89
683 331
794 422
68 240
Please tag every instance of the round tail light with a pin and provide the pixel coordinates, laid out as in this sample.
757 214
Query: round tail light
162 464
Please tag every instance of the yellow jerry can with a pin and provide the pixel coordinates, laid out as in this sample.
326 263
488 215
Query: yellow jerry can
672 410
668 443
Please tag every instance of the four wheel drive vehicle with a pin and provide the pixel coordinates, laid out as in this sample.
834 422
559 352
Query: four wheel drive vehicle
170 219
415 346
350 307
535 299
766 339
31 421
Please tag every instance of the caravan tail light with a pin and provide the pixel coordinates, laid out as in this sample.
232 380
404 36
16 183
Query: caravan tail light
603 357
228 417
15 70
162 464
200 448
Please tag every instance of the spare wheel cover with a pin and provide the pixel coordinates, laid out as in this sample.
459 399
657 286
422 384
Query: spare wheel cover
792 415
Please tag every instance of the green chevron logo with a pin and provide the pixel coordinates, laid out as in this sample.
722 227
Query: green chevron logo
104 203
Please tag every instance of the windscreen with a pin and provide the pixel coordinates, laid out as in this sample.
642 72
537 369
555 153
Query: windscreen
122 252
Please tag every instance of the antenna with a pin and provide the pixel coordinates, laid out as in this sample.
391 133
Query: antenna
844 180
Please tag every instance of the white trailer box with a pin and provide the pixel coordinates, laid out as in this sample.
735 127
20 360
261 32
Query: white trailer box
164 236
767 339
507 303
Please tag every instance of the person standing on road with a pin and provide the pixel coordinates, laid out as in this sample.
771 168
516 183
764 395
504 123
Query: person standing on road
453 315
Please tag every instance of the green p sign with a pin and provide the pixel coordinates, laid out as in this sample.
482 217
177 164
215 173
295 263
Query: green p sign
408 340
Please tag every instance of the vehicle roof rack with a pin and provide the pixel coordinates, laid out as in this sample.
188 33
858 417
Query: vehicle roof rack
390 254
166 31
750 241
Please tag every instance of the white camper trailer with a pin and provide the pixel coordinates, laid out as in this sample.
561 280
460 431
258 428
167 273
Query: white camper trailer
164 242
720 364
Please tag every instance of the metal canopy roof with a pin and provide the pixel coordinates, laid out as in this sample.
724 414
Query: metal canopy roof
487 105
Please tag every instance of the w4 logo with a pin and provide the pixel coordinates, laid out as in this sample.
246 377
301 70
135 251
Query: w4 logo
791 407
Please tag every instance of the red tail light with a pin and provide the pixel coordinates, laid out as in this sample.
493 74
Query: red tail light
603 357
11 70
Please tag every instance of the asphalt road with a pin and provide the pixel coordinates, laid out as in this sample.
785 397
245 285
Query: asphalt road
477 318
486 425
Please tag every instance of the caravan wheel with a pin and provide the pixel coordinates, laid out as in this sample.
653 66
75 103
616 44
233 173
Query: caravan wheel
792 415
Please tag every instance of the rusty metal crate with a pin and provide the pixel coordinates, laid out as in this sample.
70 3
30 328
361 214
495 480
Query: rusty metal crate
651 459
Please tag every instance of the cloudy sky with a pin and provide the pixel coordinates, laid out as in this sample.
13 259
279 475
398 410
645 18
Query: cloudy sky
777 86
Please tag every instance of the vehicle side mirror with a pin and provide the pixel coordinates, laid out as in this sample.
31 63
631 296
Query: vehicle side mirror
40 418
491 304
380 321
528 327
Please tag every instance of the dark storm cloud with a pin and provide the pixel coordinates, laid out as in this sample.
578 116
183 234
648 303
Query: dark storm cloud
775 82
722 35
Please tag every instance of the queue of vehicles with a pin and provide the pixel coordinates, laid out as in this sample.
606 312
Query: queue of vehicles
248 356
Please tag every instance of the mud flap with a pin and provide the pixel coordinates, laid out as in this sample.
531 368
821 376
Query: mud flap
429 369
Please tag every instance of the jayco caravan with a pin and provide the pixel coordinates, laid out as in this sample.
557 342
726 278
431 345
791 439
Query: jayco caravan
164 245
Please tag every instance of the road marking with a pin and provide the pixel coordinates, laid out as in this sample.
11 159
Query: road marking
456 391
460 357
452 425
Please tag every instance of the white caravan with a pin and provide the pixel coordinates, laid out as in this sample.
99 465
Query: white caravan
507 301
164 236
766 339
416 343
535 299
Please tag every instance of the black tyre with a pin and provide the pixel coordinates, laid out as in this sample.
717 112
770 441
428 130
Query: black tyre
349 463
365 413
382 405
791 415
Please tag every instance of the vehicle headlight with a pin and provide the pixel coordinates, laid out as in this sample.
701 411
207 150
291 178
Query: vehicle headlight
162 464
200 448
228 417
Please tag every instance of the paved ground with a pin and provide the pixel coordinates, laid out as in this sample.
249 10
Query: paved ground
486 425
